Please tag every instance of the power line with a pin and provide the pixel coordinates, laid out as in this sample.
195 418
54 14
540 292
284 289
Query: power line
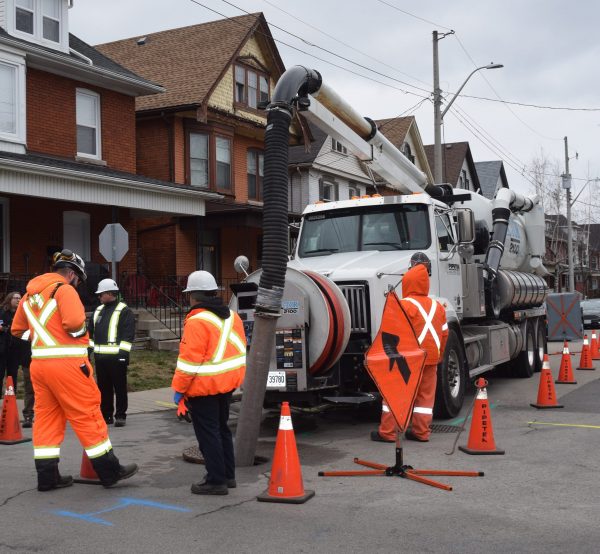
346 44
415 16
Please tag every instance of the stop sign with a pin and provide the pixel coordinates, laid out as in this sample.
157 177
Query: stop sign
114 242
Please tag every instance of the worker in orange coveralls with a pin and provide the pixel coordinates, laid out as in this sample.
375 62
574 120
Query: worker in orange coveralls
52 316
428 318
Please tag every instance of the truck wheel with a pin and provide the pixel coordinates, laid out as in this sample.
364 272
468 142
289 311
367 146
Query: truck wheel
451 379
525 363
541 344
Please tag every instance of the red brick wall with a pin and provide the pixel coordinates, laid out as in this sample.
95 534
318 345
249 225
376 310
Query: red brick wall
153 148
179 148
240 167
51 123
156 240
186 250
48 217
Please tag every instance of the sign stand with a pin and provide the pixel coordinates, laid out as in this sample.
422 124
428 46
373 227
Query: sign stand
395 362
399 469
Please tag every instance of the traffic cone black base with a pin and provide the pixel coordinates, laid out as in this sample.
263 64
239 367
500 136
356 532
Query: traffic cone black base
264 497
480 452
544 407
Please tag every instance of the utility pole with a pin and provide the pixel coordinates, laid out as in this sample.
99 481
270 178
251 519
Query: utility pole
437 114
567 186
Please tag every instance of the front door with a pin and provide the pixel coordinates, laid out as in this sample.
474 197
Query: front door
450 282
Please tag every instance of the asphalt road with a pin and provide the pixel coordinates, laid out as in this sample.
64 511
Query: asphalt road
541 496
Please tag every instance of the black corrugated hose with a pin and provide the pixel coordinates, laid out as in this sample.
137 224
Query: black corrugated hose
275 212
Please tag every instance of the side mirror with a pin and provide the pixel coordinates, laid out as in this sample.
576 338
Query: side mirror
466 226
241 265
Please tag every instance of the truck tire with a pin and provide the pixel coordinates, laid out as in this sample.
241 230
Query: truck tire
525 362
451 379
541 345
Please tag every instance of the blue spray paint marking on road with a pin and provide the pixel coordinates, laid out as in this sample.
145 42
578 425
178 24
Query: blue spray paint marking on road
459 420
122 503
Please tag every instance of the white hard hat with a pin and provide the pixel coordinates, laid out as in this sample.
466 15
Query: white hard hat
200 281
107 285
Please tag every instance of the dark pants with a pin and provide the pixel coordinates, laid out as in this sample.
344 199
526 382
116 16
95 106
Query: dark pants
9 366
209 416
28 400
112 382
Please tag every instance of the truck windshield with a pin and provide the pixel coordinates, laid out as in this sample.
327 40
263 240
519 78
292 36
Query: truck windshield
397 227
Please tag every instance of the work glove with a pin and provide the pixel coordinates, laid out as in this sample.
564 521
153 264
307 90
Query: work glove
177 397
182 411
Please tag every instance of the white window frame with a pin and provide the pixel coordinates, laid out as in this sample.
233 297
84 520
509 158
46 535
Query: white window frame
38 25
18 63
82 245
97 98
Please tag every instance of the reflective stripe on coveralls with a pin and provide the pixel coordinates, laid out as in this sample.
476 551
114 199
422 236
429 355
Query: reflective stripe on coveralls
50 349
428 317
217 365
113 324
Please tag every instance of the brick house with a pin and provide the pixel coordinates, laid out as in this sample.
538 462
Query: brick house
206 133
68 146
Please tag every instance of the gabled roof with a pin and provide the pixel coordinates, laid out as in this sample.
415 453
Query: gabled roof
189 61
101 67
299 155
489 173
453 156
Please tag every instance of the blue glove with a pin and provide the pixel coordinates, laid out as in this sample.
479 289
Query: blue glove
177 397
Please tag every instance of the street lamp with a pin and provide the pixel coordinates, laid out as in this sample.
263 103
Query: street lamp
437 104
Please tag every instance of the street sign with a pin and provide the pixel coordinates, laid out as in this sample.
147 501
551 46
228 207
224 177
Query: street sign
114 242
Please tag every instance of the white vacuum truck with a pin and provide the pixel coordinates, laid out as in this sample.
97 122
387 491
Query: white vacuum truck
486 269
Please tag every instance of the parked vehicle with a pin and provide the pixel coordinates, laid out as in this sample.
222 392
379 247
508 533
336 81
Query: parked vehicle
590 310
486 269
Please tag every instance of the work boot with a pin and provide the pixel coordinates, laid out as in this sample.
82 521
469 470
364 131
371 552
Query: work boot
375 436
209 488
110 471
119 422
27 422
409 435
49 477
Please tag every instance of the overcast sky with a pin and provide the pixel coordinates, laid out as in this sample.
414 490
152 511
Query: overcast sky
550 50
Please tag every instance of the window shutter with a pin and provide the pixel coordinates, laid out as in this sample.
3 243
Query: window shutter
321 191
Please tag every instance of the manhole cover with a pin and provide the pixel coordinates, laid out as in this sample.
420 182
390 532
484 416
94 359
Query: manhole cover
440 428
194 456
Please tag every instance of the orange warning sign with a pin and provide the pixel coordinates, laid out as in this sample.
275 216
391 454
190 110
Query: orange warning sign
395 361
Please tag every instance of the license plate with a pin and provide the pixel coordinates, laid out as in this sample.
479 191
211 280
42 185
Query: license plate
276 380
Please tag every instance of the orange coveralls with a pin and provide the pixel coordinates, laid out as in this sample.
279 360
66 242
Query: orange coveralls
428 318
53 316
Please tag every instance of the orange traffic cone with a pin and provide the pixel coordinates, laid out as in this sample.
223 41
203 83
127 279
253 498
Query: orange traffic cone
481 435
10 426
546 393
565 373
285 484
87 473
585 361
594 353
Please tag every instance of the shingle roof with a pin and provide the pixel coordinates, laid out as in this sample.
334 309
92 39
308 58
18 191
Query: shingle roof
188 61
453 156
98 59
489 173
395 129
299 155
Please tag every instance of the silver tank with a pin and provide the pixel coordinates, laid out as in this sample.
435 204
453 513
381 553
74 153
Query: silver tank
515 289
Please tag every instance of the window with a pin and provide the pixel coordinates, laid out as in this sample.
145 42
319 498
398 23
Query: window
88 124
208 159
223 163
251 86
255 161
406 150
12 98
328 190
463 180
444 231
353 190
337 146
39 18
199 160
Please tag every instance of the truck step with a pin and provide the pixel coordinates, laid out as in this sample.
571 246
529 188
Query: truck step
480 369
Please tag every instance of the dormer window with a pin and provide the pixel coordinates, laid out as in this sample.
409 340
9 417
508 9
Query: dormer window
337 146
251 86
41 20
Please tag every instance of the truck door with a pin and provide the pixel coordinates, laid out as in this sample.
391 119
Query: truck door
450 282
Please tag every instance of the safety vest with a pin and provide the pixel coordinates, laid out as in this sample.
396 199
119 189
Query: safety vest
111 347
43 343
428 318
224 370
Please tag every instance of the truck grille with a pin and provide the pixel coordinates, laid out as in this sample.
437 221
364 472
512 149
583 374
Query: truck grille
356 296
